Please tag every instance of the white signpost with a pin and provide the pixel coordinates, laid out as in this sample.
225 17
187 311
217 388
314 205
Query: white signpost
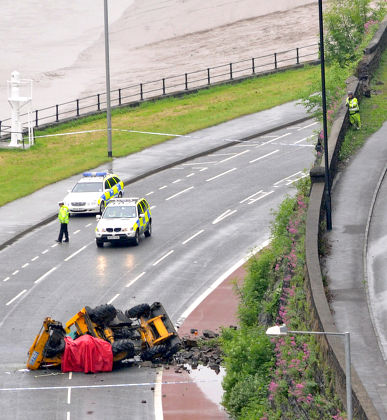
20 95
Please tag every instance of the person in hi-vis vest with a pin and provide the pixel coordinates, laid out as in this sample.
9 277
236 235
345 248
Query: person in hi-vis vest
63 217
354 111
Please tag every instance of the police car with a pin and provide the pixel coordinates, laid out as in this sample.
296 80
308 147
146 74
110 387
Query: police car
124 220
93 192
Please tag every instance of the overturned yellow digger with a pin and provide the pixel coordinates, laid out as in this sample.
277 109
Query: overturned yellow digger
144 330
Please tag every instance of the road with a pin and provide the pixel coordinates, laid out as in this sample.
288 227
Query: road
208 213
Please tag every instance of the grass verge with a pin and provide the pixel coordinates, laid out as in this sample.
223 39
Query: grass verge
56 158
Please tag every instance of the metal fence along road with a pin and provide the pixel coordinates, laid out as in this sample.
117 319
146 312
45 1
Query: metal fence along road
167 86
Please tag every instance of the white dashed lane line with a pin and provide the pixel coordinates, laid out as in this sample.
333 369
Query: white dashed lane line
15 272
163 257
45 251
177 194
75 253
53 246
35 258
176 181
135 279
193 236
6 279
25 265
163 187
16 297
45 275
234 156
189 175
307 126
77 231
264 156
222 174
113 299
149 193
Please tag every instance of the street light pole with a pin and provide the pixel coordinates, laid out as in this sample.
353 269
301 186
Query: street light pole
279 330
327 192
107 71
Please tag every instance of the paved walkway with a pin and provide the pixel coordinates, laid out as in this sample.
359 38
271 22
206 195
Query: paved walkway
352 198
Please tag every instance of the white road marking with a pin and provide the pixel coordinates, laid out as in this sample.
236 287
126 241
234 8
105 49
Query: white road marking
299 141
68 415
203 169
262 157
193 236
307 126
113 299
236 155
163 187
223 216
69 396
35 258
253 197
201 163
181 192
25 265
75 253
45 251
135 279
223 173
149 193
77 231
45 275
6 279
152 207
189 175
216 283
16 297
70 375
15 272
157 396
163 257
53 246
89 224
176 181
289 179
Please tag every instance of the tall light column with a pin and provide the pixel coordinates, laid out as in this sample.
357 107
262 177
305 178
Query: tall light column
328 206
107 71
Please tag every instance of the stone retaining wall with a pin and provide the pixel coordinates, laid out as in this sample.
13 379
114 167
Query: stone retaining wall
333 347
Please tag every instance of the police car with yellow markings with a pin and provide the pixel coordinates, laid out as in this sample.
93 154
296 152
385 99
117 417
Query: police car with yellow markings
93 192
124 220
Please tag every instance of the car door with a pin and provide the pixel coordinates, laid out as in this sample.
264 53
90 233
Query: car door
141 217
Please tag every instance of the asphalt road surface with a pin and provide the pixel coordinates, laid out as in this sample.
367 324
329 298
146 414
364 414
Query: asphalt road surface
207 215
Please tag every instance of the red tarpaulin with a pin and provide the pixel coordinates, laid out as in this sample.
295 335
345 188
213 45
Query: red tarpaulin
87 354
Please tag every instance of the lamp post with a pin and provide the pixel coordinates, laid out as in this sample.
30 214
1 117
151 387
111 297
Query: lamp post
279 330
327 192
107 71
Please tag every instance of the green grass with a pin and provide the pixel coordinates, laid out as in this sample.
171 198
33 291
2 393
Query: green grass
373 112
56 158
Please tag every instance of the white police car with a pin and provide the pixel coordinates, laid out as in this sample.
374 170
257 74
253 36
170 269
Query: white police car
93 191
124 220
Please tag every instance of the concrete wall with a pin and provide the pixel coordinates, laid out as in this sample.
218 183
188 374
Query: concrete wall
333 347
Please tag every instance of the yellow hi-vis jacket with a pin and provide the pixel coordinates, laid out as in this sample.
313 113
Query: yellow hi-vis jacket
63 214
353 105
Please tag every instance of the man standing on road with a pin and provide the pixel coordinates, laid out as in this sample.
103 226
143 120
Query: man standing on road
63 217
354 112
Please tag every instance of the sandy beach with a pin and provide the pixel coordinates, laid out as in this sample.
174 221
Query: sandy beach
60 46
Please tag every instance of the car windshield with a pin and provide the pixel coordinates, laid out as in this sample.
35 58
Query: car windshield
88 187
119 212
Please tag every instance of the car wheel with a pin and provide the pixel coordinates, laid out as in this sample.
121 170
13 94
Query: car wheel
136 239
102 314
148 232
138 311
120 194
99 243
102 207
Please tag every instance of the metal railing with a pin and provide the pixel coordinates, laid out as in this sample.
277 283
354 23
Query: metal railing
168 86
